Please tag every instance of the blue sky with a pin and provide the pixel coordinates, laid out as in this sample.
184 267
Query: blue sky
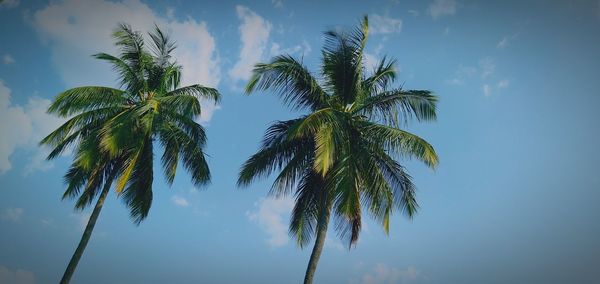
514 200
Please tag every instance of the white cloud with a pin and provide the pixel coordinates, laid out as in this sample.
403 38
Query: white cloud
505 41
12 214
447 31
302 49
415 13
487 90
383 274
503 84
76 29
370 61
47 222
487 67
254 32
461 74
269 215
8 4
442 8
22 127
7 59
384 25
19 276
277 3
179 201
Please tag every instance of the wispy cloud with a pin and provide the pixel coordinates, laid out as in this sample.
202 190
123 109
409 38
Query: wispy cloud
8 59
302 49
503 84
12 214
179 201
384 274
461 74
75 29
254 35
370 61
22 127
18 276
440 8
487 66
269 215
47 222
506 41
487 90
384 24
277 3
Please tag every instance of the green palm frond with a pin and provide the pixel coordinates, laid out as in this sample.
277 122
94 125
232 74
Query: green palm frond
161 48
138 193
402 143
389 106
383 75
290 80
180 105
268 160
83 99
197 91
304 217
131 80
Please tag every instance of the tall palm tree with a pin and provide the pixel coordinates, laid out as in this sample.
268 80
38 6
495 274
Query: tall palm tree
113 131
341 157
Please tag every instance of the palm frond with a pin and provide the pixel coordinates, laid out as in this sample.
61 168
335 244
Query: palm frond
391 105
309 200
400 142
81 99
383 75
197 91
290 80
138 193
162 47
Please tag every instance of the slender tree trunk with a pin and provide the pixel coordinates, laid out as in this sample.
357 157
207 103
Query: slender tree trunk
86 234
319 243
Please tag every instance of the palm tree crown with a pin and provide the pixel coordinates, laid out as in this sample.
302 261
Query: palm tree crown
113 130
341 157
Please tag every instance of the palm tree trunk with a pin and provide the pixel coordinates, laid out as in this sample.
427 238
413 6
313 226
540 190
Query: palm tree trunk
319 243
86 234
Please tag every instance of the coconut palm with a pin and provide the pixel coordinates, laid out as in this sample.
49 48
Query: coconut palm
341 158
113 131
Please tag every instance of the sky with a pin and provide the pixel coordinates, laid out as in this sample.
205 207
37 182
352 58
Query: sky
514 199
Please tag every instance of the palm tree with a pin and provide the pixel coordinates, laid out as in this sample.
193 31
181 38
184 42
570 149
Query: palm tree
113 131
342 156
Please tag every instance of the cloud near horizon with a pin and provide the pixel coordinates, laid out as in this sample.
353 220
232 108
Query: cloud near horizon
384 274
